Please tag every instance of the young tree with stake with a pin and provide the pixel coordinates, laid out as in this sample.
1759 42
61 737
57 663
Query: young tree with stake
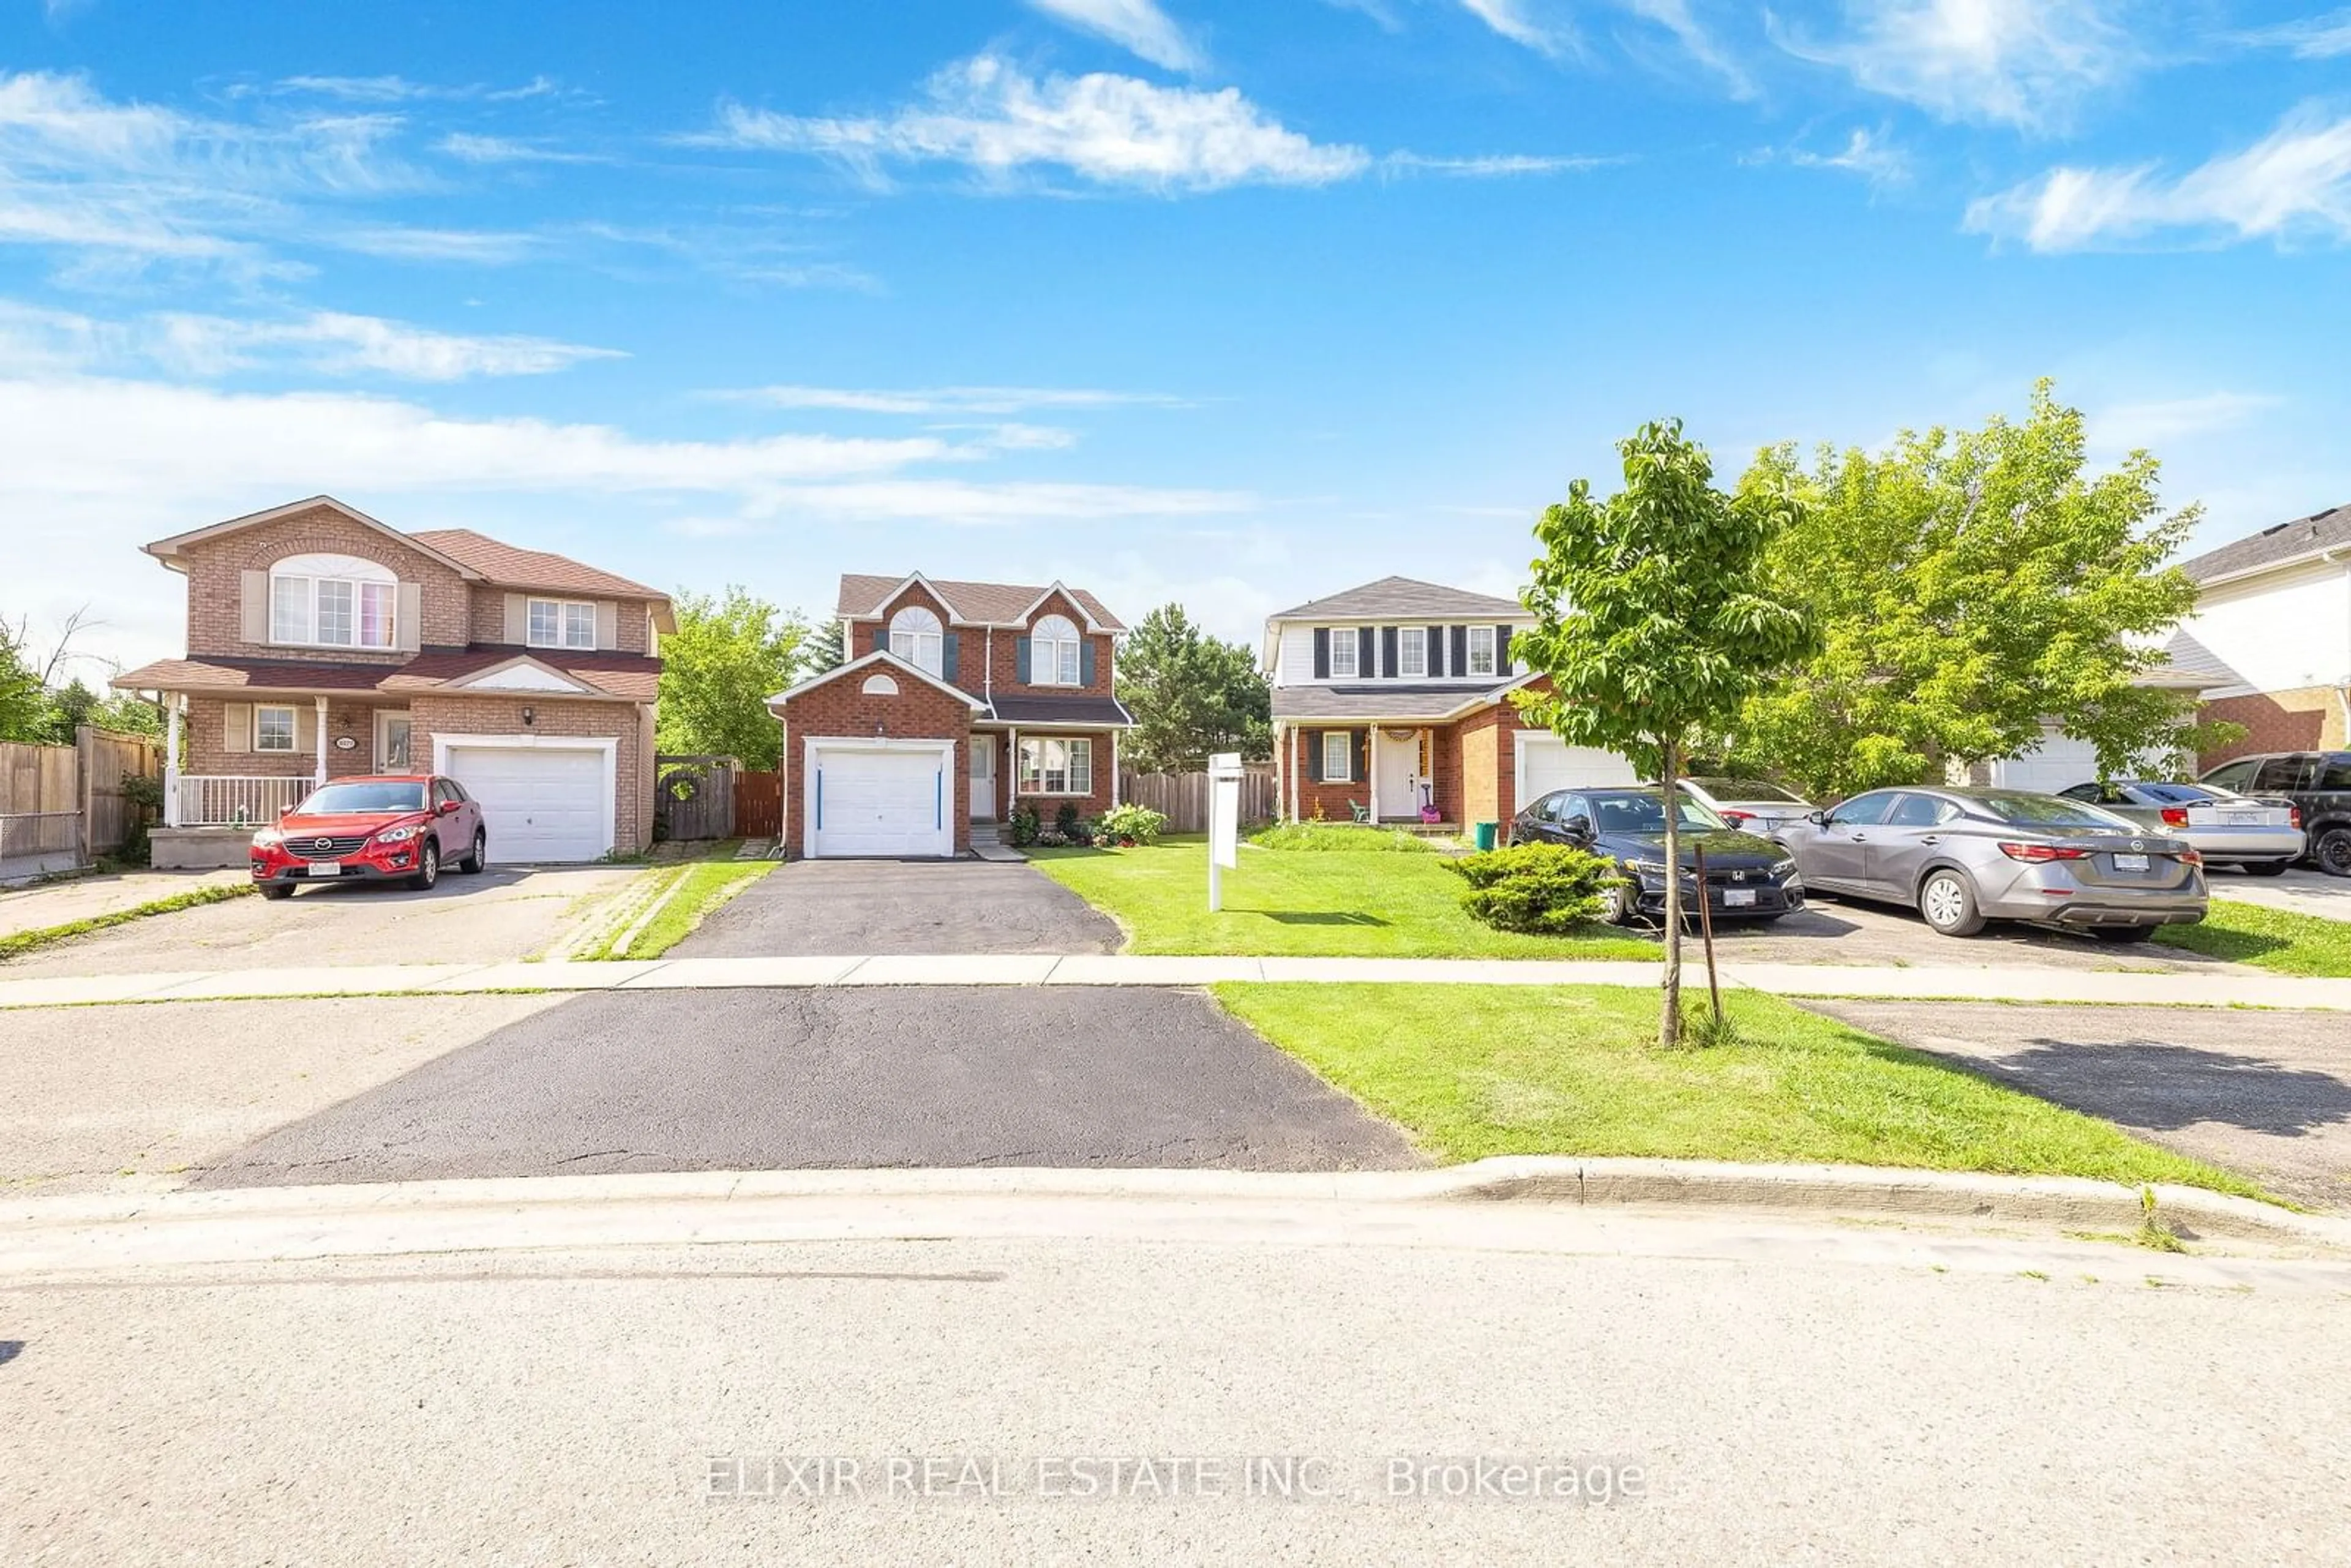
1653 627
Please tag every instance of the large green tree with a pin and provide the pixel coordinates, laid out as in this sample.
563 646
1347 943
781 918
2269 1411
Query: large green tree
728 655
1967 588
1191 695
24 705
1652 622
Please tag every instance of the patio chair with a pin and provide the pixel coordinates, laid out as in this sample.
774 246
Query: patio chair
1358 813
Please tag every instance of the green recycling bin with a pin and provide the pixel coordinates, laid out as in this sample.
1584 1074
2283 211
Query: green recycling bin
1486 835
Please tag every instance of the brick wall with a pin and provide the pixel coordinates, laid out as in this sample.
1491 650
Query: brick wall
1048 807
206 753
456 714
843 708
1485 780
987 655
2303 720
216 589
1006 667
487 617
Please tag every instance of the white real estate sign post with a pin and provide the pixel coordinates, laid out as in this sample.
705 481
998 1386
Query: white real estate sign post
1223 822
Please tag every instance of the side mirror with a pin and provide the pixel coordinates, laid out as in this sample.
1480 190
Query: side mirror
1817 819
445 808
1578 827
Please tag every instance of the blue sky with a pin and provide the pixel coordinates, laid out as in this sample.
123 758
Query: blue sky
1235 303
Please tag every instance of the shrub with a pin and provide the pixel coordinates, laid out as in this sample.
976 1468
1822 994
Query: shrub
1139 823
1065 821
1024 827
1543 888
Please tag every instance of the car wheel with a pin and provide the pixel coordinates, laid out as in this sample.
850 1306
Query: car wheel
2122 933
2265 868
479 858
2333 852
428 867
1947 903
276 890
1621 906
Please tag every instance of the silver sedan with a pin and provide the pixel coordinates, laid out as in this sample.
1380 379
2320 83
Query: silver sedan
1963 856
2227 829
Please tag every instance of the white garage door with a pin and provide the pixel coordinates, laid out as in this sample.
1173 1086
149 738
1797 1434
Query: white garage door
865 801
537 804
2059 762
1547 763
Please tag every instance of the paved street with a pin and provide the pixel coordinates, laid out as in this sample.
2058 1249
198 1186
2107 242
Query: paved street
575 1405
902 906
505 912
2265 1093
729 1080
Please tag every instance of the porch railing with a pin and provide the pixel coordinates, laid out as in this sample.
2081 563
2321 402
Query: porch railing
222 800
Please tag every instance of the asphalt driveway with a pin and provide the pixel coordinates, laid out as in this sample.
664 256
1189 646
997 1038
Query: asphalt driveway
501 915
1830 930
737 1080
827 907
2266 1094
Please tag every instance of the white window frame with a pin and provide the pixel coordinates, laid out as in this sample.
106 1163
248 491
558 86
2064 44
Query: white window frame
293 727
925 647
299 587
1412 651
1345 772
1037 769
563 622
1477 635
1054 656
1353 640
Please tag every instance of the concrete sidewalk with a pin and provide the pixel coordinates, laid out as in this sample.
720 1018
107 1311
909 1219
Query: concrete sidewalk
2115 987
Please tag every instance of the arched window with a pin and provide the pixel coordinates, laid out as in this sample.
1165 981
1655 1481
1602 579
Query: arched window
1053 653
914 637
333 601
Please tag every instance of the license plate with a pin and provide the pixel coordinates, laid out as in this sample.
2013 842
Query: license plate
326 868
2131 862
2240 818
1734 896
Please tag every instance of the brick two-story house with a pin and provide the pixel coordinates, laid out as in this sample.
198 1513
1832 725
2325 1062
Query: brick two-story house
1394 698
323 643
958 703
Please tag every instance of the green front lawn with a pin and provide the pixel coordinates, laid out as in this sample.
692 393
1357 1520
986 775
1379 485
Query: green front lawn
1474 1070
2267 938
1319 903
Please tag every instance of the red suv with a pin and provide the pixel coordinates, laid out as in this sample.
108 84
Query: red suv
405 825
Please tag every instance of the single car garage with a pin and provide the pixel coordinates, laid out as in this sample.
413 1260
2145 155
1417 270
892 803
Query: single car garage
544 798
1546 763
880 799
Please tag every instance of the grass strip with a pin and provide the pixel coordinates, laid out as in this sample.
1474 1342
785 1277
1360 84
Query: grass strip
19 943
2275 939
1471 1072
685 899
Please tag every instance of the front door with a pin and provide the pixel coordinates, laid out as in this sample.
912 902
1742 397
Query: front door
1395 764
392 747
983 777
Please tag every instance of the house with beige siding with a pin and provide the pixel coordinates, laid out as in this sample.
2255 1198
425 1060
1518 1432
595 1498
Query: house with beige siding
322 644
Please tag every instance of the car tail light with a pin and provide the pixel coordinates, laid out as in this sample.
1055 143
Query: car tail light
2294 816
2035 854
1737 819
2175 816
2190 857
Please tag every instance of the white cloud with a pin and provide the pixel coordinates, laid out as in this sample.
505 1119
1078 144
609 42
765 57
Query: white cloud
2027 63
944 400
1514 20
1867 153
2121 427
399 89
2316 38
475 148
989 115
1139 26
1494 166
2295 183
1674 18
470 246
34 339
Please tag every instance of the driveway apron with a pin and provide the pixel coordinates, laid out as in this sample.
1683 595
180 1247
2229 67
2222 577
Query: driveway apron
824 908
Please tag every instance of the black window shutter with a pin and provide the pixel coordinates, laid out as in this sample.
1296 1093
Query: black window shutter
1366 649
1086 662
1435 661
882 639
1501 650
949 657
1314 744
1322 659
1020 660
1461 664
1388 651
1362 769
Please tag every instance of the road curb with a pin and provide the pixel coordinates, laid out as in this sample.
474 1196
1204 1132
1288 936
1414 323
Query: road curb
111 1230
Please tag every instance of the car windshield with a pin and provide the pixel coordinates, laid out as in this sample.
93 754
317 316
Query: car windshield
380 795
1747 790
1646 814
2050 811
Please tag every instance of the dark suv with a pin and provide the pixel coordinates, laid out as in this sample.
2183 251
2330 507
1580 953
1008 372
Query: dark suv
2318 784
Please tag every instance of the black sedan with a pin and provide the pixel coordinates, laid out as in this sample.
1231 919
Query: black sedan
1747 877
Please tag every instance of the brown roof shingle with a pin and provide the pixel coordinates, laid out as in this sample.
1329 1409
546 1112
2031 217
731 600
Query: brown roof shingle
998 603
630 677
516 567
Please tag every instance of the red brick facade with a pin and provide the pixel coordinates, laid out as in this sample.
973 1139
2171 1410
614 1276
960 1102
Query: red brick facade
216 589
987 658
1472 763
2274 721
841 709
1090 805
630 724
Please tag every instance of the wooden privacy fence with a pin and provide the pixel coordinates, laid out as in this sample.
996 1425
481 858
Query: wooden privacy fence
758 805
61 805
1182 798
694 797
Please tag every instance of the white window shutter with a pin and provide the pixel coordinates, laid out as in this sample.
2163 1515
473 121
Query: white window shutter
517 618
305 728
253 607
237 726
607 626
407 620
